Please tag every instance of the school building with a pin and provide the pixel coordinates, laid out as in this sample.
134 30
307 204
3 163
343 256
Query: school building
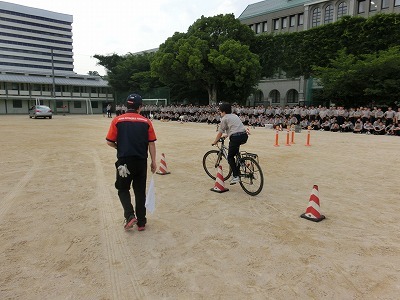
37 65
280 16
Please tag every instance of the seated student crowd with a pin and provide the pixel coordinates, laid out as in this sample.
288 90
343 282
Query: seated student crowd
336 119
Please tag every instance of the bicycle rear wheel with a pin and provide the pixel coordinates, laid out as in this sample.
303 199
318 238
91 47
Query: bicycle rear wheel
251 176
211 160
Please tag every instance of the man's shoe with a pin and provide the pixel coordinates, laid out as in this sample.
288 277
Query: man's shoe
141 228
234 180
129 222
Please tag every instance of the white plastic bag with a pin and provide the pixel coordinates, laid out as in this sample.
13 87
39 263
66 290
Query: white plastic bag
151 196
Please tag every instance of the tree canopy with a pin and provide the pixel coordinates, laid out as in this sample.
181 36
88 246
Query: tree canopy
215 55
223 59
365 77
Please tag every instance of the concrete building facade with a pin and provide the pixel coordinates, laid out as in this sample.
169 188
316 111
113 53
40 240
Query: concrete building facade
281 16
37 65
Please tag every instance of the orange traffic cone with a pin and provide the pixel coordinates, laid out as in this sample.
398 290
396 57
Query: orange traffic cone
288 137
312 212
277 137
219 185
163 170
308 137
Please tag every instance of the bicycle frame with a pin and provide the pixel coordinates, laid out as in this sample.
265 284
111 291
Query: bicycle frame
252 179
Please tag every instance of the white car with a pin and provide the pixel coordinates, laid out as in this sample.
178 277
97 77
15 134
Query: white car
40 111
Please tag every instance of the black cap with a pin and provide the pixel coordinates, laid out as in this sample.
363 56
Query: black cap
134 101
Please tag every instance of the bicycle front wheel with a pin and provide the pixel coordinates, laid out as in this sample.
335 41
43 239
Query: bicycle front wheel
211 160
251 176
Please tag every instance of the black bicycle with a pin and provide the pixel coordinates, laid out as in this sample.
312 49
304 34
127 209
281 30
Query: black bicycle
251 175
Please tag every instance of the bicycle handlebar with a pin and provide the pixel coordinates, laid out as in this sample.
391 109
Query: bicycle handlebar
221 140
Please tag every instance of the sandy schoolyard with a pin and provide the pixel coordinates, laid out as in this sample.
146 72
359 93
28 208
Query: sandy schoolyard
61 223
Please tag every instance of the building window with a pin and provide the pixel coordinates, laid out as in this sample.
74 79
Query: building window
95 104
251 27
361 6
59 104
77 89
275 96
276 24
292 96
14 86
77 104
17 103
396 2
258 27
372 5
300 20
316 17
265 27
328 14
284 22
342 10
385 3
292 21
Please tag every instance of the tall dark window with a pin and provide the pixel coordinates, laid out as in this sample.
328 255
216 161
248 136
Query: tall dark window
342 10
300 20
373 6
284 22
275 96
361 6
292 96
316 17
328 14
265 26
276 24
292 20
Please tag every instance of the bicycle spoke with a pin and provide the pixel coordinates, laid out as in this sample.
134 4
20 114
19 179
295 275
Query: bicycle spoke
212 160
252 179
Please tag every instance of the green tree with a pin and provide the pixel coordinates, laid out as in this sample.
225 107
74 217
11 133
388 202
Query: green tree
214 54
130 72
93 73
358 80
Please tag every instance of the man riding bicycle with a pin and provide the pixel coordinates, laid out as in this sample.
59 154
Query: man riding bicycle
232 126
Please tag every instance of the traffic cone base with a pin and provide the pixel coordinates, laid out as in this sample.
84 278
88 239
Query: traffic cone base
162 173
163 170
312 212
312 218
219 185
217 190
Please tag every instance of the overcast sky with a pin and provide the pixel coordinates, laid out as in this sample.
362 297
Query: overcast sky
123 26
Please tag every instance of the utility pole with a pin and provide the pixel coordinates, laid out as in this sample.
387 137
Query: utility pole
54 83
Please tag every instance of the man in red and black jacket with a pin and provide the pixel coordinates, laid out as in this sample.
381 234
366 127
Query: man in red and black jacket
133 136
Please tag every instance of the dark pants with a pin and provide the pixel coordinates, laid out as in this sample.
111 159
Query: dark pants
137 177
234 146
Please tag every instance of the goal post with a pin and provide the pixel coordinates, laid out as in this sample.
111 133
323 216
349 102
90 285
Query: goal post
156 102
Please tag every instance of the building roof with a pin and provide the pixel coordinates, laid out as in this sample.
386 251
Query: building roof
77 81
268 6
35 11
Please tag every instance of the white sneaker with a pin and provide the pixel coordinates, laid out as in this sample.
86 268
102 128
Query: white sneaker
234 180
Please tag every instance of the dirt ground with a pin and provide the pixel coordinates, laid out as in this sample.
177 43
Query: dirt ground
61 223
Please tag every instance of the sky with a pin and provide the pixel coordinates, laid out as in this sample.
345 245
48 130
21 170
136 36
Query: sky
128 26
